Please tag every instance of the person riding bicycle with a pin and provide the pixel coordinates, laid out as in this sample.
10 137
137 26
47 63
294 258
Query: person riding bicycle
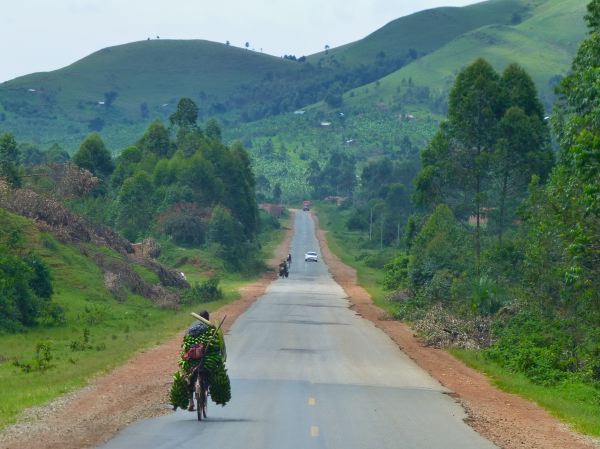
195 330
202 353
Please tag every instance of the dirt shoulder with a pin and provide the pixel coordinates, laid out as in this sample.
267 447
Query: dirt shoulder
90 416
508 420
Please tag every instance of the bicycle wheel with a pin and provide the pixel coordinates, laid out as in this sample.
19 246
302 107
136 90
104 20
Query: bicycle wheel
201 397
199 401
204 395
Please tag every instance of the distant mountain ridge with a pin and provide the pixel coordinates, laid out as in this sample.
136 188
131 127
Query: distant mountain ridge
120 90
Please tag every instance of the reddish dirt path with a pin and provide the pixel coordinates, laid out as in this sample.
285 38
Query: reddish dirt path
89 417
506 419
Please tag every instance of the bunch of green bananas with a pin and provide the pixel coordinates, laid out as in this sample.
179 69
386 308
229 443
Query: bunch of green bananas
179 394
220 388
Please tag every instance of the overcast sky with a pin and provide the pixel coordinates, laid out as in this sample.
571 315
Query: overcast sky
42 35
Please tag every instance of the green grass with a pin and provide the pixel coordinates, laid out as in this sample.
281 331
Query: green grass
575 403
424 31
65 100
544 44
117 328
446 39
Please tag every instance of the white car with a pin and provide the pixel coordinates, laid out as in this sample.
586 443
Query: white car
311 256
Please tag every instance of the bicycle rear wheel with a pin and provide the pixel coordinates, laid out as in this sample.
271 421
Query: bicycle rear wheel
201 397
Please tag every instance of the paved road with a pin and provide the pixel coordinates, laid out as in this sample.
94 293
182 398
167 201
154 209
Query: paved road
308 373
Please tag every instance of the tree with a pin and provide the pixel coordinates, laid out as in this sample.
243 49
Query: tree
186 114
440 249
185 223
134 207
110 97
493 142
213 130
522 151
9 160
156 140
30 155
125 165
56 154
564 216
277 193
93 156
227 233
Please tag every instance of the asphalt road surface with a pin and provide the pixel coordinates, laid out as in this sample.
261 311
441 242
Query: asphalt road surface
307 372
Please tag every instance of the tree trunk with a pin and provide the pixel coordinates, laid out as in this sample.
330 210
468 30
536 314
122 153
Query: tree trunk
503 205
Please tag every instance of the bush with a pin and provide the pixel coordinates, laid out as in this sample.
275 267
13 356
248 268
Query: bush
396 273
206 291
542 348
185 223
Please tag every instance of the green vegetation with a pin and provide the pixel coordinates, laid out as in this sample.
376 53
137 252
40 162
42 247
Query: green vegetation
97 331
75 300
498 254
575 403
384 95
356 250
489 227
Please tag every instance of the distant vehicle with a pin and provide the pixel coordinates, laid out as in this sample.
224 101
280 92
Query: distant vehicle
306 205
311 256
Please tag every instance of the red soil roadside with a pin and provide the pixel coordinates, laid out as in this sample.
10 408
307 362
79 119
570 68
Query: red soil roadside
90 416
509 421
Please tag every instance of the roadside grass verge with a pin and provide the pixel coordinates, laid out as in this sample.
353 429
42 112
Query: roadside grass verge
356 250
100 331
575 403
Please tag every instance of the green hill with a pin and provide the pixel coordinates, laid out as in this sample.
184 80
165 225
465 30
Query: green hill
129 85
425 31
544 44
397 114
403 69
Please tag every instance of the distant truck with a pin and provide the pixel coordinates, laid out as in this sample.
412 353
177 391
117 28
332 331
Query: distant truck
306 205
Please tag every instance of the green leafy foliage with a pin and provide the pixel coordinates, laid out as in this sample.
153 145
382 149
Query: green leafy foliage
9 160
205 291
25 281
94 156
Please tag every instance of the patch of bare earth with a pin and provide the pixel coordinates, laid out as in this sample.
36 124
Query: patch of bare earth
137 390
509 421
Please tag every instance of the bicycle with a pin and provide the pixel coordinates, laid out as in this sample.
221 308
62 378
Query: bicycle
201 390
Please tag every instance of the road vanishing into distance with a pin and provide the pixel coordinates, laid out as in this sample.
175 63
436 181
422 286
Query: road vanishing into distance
307 372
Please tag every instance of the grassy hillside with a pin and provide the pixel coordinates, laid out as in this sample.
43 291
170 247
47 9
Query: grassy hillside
146 80
544 44
426 31
100 330
157 72
391 86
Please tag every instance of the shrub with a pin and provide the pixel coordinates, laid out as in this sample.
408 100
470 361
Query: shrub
208 290
396 273
185 223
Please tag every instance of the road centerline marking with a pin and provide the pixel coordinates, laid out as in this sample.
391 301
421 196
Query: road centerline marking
314 431
312 401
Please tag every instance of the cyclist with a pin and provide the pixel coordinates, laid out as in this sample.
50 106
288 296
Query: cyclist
195 330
